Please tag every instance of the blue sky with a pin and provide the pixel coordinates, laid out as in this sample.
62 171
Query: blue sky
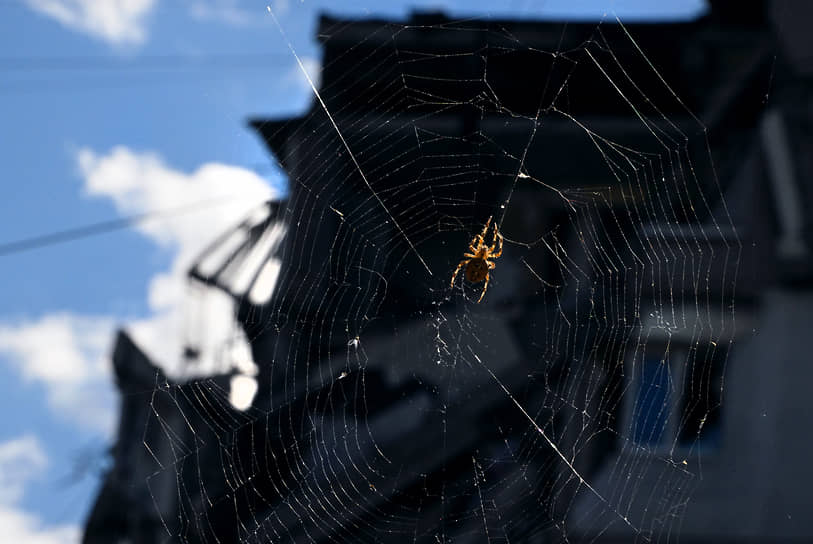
96 127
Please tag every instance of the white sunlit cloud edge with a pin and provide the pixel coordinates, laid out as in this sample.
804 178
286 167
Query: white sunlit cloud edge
230 12
66 354
296 77
22 459
140 182
118 22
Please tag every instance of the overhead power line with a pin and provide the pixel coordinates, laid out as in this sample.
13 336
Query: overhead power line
144 62
59 74
102 227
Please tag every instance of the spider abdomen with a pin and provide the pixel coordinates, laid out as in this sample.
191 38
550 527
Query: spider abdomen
480 258
476 270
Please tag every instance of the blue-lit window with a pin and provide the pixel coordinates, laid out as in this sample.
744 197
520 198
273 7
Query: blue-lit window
653 402
675 397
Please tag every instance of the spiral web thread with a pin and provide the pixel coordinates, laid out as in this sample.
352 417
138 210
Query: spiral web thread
573 404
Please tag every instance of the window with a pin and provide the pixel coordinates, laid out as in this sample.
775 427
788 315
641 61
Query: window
675 395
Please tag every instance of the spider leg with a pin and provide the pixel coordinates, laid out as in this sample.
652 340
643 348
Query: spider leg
497 244
470 255
459 266
477 243
485 230
491 265
488 276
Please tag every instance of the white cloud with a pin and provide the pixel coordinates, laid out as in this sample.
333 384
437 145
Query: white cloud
139 183
20 526
229 11
119 22
22 459
223 11
280 7
67 354
296 76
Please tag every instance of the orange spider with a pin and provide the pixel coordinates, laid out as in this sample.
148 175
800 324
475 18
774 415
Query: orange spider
478 264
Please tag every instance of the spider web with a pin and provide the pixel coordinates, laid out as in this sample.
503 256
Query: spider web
573 404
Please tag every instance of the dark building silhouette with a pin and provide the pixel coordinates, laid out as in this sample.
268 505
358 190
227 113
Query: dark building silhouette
391 408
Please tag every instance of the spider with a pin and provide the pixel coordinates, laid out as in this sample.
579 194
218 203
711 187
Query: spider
477 262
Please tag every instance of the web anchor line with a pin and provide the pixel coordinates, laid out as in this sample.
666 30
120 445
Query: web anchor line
550 443
605 341
344 142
